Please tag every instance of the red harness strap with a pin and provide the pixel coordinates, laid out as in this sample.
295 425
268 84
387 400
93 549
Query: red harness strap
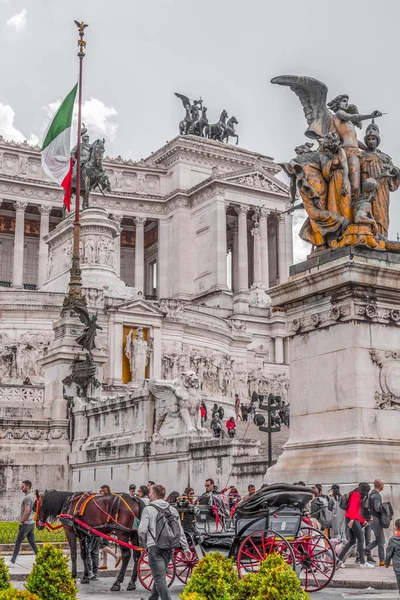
100 533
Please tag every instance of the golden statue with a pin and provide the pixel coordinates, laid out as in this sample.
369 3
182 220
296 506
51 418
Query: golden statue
329 178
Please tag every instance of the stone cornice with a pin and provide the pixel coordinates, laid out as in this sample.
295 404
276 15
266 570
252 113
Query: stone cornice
210 149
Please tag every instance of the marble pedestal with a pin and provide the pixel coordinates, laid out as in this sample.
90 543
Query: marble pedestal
343 312
97 255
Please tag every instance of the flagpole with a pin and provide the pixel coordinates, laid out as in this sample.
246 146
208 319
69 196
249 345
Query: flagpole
75 283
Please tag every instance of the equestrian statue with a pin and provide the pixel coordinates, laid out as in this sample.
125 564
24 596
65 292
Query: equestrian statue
93 176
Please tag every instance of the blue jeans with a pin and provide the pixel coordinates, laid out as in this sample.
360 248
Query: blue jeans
158 563
28 532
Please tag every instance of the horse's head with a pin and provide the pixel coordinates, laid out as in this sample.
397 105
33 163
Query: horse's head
233 121
40 517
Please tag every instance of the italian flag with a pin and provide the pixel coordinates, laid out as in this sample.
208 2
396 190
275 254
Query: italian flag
56 150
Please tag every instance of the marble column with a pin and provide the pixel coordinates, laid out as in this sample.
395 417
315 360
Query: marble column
243 265
235 258
139 253
117 244
18 265
255 232
43 248
282 264
220 242
279 354
289 240
162 259
264 248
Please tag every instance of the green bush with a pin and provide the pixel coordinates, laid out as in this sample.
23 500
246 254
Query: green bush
275 580
50 578
14 594
4 575
215 578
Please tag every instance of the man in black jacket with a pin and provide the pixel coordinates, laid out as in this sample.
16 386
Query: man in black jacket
375 505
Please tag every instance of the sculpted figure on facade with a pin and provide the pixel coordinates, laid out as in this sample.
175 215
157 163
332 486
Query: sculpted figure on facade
329 178
177 405
137 350
90 252
20 358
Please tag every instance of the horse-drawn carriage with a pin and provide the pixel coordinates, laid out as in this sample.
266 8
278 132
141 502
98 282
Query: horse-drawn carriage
272 520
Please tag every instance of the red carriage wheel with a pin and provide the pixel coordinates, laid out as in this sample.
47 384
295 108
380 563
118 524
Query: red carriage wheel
144 572
184 566
315 558
257 546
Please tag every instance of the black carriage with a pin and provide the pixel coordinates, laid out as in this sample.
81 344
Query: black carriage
271 521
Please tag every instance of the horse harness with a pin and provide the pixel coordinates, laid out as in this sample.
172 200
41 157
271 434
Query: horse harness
80 503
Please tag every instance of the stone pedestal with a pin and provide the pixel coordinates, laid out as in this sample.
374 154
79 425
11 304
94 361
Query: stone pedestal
97 254
343 312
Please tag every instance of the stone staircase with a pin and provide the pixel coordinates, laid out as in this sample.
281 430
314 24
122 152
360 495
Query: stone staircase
249 431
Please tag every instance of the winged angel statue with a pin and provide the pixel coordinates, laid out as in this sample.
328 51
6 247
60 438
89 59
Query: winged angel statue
331 178
180 401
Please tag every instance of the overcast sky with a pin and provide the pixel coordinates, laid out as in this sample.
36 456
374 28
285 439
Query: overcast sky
226 51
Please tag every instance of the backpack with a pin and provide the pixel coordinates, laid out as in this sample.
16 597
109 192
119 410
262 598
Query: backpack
386 514
168 531
344 501
321 512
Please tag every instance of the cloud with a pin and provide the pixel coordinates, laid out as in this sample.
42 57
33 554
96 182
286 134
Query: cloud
300 249
99 118
8 129
18 21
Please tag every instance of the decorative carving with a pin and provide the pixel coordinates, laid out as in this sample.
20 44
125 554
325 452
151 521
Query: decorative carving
389 378
10 394
371 311
83 375
45 210
241 209
336 313
172 307
20 206
140 221
315 319
394 315
296 324
20 359
177 405
237 326
23 165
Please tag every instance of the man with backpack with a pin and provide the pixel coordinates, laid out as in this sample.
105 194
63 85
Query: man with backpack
160 529
377 526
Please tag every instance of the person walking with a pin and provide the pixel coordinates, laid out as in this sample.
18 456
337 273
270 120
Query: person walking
244 411
216 425
161 540
237 407
336 530
393 552
231 427
203 413
375 506
26 528
356 522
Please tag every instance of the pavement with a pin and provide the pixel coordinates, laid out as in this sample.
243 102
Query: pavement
351 583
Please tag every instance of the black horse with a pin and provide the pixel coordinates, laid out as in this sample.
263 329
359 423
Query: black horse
116 514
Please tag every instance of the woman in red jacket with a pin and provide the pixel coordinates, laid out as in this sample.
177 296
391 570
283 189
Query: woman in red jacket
231 427
356 522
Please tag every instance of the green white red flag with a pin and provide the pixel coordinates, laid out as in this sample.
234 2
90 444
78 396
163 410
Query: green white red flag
56 150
